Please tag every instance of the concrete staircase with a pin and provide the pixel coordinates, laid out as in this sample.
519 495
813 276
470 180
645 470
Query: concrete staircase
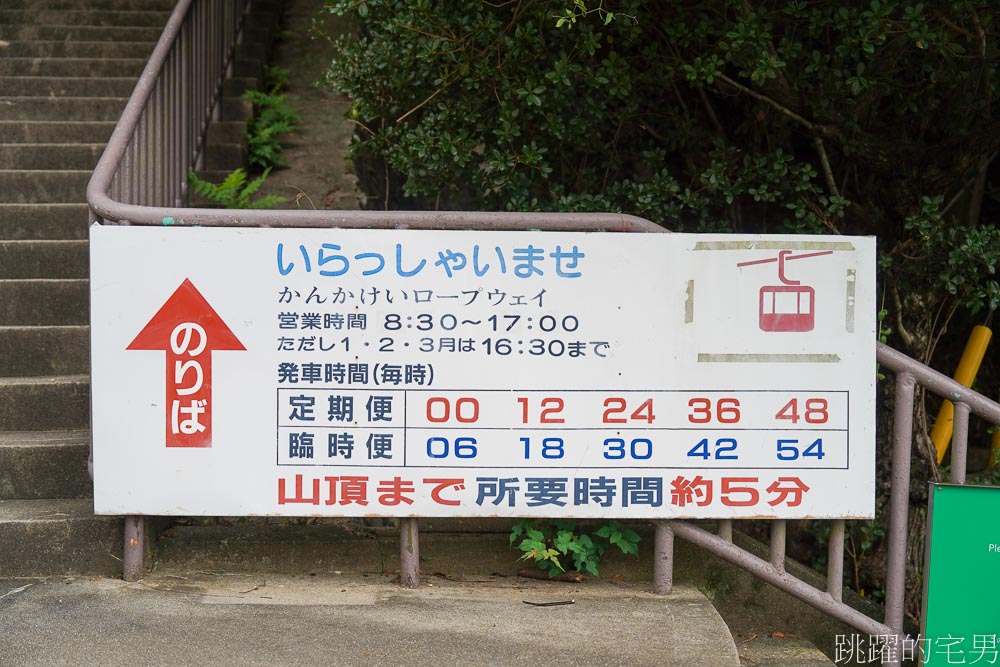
66 70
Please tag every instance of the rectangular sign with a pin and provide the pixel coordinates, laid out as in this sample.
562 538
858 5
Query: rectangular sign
430 373
961 591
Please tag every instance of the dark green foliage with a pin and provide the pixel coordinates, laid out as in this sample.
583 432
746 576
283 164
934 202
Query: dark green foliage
872 118
272 118
236 191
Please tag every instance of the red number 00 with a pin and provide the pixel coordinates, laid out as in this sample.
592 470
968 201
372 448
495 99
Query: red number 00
466 410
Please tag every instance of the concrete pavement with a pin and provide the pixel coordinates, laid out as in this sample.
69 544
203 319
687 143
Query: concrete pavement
199 618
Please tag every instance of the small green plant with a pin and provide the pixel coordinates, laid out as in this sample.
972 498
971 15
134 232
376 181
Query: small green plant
236 191
272 117
554 545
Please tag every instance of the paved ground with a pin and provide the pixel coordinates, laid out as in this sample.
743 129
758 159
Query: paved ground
252 619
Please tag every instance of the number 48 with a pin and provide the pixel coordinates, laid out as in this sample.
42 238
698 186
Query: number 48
817 411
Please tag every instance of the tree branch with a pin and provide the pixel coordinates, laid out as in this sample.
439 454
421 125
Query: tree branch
824 162
767 100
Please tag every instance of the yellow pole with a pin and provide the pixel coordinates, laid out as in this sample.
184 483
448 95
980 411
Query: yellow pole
972 357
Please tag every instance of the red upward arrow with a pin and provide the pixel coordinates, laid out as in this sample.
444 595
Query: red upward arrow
188 329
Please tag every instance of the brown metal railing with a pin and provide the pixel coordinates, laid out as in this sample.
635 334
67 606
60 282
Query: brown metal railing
161 133
909 374
140 180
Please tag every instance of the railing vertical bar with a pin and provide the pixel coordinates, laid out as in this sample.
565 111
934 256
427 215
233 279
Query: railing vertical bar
187 148
199 82
116 184
726 529
132 556
174 142
156 106
213 54
663 558
899 503
128 165
147 157
163 145
779 529
195 81
409 552
960 443
178 110
835 560
140 161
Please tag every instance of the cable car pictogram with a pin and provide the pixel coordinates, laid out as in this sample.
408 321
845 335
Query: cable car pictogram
790 306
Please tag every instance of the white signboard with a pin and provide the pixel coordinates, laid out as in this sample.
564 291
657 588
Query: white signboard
430 373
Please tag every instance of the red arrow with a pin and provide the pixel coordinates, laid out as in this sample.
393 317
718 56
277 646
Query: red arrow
188 329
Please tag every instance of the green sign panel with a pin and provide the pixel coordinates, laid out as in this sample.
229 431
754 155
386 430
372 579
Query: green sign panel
961 619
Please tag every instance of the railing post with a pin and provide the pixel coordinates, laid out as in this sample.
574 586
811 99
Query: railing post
132 557
777 545
663 559
409 553
960 443
835 561
726 529
899 506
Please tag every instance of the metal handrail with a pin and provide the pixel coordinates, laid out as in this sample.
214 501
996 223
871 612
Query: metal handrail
909 374
142 174
141 180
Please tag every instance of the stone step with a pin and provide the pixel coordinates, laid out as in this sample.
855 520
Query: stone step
44 350
780 651
40 302
43 186
44 259
61 108
55 132
78 67
66 86
47 464
71 33
50 156
43 221
56 403
58 537
62 49
117 5
227 132
225 156
105 18
90 109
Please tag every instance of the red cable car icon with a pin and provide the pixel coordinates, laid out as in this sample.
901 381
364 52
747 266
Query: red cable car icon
790 306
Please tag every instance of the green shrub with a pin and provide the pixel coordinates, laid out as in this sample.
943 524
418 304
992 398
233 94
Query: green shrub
553 546
817 117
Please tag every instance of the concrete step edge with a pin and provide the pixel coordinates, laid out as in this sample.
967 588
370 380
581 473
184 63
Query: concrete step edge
68 144
73 172
43 438
23 99
69 328
41 78
44 380
70 59
43 242
81 42
49 510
